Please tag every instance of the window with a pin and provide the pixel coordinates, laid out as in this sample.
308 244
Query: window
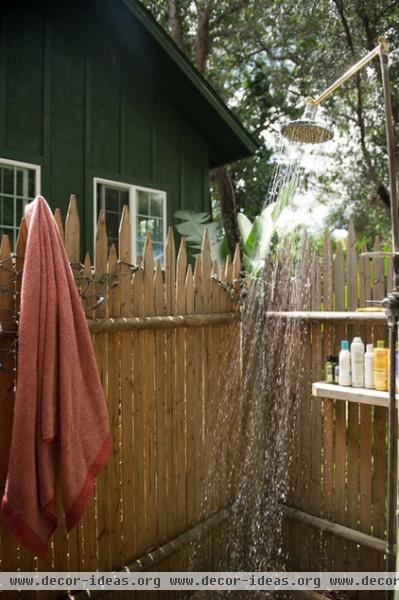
147 208
19 184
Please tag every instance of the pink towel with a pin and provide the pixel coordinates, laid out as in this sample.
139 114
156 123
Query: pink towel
60 417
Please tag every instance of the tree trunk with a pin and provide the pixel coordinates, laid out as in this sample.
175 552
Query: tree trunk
202 42
228 206
175 23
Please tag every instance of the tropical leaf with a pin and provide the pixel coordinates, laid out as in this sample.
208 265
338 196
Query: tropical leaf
284 198
244 226
193 228
257 244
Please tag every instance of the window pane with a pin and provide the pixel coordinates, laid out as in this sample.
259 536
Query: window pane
139 246
145 226
20 210
111 199
143 203
23 183
8 181
32 187
123 198
112 223
7 211
156 205
157 232
158 251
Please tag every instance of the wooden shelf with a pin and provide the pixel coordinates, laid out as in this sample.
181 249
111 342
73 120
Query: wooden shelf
321 389
345 316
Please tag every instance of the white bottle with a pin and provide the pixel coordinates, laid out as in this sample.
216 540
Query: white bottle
344 359
357 362
369 367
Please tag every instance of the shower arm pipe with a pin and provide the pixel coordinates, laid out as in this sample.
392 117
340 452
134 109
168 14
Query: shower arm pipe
381 48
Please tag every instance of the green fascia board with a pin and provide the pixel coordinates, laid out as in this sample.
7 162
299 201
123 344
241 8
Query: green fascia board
206 90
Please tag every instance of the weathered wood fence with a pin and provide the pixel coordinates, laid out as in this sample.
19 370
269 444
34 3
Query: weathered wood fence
166 338
336 505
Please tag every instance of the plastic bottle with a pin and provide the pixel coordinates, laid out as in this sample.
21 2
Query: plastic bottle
369 367
381 366
344 377
329 368
336 369
357 362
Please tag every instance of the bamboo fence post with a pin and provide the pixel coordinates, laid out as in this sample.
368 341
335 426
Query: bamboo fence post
367 558
169 389
180 399
353 408
100 347
161 406
149 399
306 418
87 531
72 236
340 416
326 424
190 404
60 225
208 379
115 488
129 505
314 350
198 408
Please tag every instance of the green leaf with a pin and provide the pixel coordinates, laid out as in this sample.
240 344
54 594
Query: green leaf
257 243
244 226
284 198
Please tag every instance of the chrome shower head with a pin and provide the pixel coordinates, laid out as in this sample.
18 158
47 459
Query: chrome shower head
307 130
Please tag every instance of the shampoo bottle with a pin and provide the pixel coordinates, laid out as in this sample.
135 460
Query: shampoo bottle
381 366
344 377
369 367
357 362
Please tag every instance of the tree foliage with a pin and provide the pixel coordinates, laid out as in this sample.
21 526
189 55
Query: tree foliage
265 56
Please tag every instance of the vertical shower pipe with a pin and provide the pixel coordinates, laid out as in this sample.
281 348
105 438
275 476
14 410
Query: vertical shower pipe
391 304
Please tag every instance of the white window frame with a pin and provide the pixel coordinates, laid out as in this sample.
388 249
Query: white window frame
25 165
133 197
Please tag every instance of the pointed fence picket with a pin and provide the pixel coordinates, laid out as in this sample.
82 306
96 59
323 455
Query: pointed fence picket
161 336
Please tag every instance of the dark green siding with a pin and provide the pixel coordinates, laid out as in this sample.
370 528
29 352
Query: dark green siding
73 101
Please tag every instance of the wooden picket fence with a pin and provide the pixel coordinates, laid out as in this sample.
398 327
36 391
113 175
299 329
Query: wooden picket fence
338 476
166 339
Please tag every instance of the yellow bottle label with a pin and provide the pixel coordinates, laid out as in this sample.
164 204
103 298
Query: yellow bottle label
381 369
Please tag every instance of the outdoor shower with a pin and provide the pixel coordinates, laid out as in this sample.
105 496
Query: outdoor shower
308 130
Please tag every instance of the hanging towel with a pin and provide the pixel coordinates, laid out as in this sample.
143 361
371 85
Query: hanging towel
60 416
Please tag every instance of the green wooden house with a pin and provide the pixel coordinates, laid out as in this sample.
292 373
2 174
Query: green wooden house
97 100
